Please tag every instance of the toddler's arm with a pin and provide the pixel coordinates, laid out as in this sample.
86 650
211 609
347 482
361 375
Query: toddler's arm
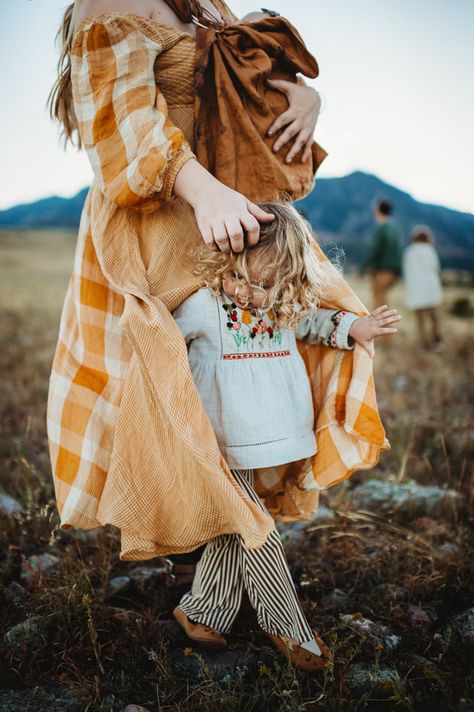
327 326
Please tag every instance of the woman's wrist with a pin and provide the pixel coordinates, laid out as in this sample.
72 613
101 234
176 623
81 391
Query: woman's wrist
193 182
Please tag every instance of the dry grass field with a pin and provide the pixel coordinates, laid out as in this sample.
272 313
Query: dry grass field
385 572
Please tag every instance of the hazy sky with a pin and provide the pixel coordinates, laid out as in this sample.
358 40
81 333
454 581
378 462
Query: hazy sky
396 76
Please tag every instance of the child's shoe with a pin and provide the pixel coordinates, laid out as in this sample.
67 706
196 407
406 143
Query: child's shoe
301 657
199 632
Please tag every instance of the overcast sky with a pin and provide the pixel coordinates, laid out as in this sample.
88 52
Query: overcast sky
396 76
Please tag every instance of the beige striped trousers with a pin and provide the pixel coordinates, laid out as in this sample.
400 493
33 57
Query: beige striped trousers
226 568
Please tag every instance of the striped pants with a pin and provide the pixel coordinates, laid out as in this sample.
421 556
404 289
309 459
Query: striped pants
226 567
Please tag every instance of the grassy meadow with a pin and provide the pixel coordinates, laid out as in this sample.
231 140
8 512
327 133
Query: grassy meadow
390 586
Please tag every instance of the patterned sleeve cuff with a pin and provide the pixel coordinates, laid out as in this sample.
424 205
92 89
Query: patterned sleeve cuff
341 332
181 156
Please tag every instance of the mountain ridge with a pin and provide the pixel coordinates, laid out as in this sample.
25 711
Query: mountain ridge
338 208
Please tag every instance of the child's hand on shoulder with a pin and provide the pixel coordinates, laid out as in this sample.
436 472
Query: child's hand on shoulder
366 328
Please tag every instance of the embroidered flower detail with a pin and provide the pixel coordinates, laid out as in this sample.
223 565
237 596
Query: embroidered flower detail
246 316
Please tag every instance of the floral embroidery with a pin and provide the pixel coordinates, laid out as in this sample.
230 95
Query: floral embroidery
250 329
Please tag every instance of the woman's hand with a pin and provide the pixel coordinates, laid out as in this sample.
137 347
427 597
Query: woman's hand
300 118
223 215
365 329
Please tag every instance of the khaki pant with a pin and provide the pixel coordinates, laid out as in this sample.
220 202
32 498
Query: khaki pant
382 281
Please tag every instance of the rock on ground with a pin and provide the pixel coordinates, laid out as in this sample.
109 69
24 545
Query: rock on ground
375 632
197 664
37 565
58 699
294 532
461 626
409 499
8 505
380 682
25 632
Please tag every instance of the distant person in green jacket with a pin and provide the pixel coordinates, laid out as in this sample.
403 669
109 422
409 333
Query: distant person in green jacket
384 259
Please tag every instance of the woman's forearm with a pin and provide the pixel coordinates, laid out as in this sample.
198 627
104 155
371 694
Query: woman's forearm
193 182
226 219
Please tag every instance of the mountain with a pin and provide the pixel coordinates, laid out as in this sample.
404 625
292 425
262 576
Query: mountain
339 210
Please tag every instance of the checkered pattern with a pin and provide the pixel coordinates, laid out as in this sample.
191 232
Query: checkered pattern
130 442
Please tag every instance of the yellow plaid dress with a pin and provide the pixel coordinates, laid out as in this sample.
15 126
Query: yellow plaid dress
130 442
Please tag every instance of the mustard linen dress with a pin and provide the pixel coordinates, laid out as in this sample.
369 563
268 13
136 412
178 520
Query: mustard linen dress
130 443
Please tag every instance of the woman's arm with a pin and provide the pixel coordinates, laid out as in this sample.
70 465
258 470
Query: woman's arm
222 214
135 150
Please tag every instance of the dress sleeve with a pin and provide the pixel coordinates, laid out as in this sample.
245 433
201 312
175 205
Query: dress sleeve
134 149
327 326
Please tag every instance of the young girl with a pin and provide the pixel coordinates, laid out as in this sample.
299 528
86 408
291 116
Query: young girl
423 295
241 330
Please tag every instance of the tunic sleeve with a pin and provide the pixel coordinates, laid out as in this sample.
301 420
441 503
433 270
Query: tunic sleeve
134 149
327 326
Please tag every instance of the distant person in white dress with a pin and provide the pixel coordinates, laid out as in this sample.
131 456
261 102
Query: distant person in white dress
423 295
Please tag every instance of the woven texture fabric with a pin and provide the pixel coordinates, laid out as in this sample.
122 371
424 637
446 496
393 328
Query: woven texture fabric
130 442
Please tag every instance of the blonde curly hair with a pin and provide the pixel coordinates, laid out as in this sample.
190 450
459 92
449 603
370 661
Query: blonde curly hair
299 279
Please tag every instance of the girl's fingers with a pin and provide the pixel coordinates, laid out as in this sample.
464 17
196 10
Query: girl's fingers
379 310
386 330
369 347
389 320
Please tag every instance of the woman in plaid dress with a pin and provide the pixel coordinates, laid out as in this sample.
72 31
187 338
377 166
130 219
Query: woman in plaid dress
126 427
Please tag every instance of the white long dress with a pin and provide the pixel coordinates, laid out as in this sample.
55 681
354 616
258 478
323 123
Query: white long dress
421 274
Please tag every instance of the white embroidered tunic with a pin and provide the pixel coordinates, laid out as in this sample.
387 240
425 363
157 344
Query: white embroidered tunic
251 378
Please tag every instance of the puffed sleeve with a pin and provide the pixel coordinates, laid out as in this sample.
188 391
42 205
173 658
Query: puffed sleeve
327 326
134 149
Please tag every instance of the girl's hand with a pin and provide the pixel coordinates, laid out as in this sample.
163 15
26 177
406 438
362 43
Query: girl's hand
365 329
223 215
300 118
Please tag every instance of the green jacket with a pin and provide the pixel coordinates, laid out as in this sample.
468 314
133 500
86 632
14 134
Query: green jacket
385 249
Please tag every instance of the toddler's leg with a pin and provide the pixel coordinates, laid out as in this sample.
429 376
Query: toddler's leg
217 588
269 585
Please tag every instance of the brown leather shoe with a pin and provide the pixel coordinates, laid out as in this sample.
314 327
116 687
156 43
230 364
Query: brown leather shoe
302 658
199 632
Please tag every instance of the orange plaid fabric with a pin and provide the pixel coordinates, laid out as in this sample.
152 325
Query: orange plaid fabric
130 442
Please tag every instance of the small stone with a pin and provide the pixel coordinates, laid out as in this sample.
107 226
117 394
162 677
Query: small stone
375 633
294 532
449 550
8 505
25 632
337 600
134 708
407 499
144 576
380 682
118 585
427 668
461 626
37 565
418 616
197 663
